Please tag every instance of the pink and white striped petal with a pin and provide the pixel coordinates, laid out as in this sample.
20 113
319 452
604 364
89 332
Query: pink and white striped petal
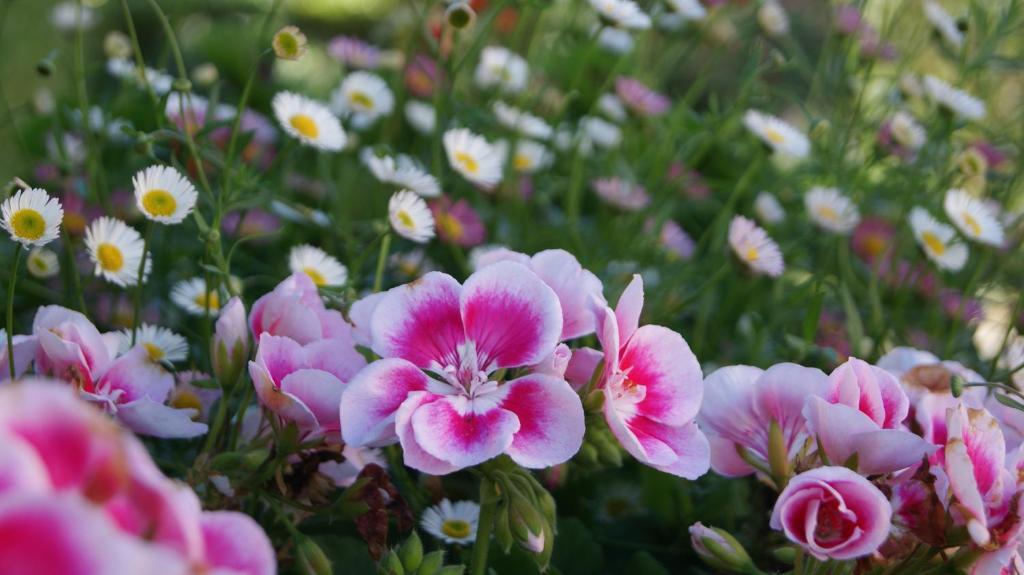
464 432
234 541
551 420
660 360
372 399
420 322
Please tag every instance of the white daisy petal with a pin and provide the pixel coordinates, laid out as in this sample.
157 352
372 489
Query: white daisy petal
755 248
777 134
474 158
194 297
364 97
956 101
321 267
410 217
161 344
937 240
831 210
523 123
401 171
42 263
943 23
501 68
975 219
309 121
454 523
621 14
116 250
163 195
32 217
420 116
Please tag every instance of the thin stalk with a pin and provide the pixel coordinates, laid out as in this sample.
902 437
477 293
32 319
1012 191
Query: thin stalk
72 269
140 64
488 508
139 279
382 256
10 307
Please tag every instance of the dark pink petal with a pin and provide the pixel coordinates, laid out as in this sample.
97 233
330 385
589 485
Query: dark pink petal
372 398
234 541
462 432
420 322
413 453
660 360
577 290
551 421
288 311
511 315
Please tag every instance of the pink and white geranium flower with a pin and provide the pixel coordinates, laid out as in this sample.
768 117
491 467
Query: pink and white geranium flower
504 317
652 388
294 310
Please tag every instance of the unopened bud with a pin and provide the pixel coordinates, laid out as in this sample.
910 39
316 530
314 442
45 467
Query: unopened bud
117 45
182 85
48 66
411 553
289 43
432 563
956 386
391 564
313 558
720 550
230 344
460 15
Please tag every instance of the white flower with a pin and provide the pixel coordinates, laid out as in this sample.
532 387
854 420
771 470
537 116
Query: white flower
32 217
523 123
194 297
473 157
161 344
410 217
70 15
753 247
906 131
309 121
453 523
42 263
689 10
831 210
944 24
780 136
501 68
937 240
321 267
621 14
615 40
401 172
530 156
956 101
420 116
768 208
773 19
611 106
116 249
973 217
364 97
600 132
125 69
163 195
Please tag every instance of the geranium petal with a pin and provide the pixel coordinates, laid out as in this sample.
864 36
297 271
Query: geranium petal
147 417
463 432
660 360
413 453
234 541
551 420
372 398
320 392
577 290
420 322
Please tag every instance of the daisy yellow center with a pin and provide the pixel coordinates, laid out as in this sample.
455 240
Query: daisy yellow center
315 275
207 300
155 353
28 224
405 219
187 400
110 257
451 225
826 212
774 136
972 224
935 245
160 203
360 99
751 254
455 528
468 162
305 125
522 162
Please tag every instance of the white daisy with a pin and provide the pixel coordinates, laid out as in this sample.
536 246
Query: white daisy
621 14
943 23
973 217
420 116
473 157
321 267
780 136
116 250
600 132
689 10
309 121
906 131
831 210
773 19
611 106
530 157
768 208
615 40
32 217
523 123
402 172
956 101
363 97
161 344
42 263
67 16
125 69
755 248
163 195
501 68
410 217
937 240
453 523
194 297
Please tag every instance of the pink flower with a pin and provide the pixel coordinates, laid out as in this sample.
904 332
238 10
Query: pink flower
458 223
304 384
230 345
236 544
622 194
847 19
861 414
674 239
504 316
188 395
25 348
872 238
652 388
639 98
833 513
421 75
70 346
741 403
294 310
354 52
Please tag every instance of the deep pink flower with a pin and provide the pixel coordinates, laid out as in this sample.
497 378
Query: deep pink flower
421 75
872 238
993 155
294 310
642 100
652 388
861 414
504 316
960 307
833 513
621 193
457 222
742 402
236 544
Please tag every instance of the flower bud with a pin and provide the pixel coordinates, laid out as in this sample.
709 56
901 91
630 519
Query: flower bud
48 66
390 564
117 45
289 43
719 549
452 570
230 345
205 74
313 558
411 553
460 15
432 562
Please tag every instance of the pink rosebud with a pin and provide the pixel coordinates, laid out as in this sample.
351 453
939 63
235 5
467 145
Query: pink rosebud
719 549
833 513
230 346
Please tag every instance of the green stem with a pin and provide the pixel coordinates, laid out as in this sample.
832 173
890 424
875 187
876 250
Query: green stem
488 508
72 269
10 307
140 64
139 279
382 257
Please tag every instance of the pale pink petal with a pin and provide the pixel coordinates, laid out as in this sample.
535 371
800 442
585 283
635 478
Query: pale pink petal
147 417
511 315
581 366
372 398
834 425
780 394
551 421
283 404
728 410
413 454
627 311
335 357
21 468
725 460
279 356
136 377
463 432
555 363
420 322
361 313
888 450
660 360
681 450
577 290
320 392
285 316
25 350
234 541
